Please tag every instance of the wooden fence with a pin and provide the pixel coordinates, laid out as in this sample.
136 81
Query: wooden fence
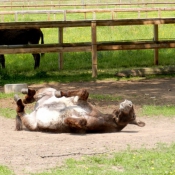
64 13
11 4
94 46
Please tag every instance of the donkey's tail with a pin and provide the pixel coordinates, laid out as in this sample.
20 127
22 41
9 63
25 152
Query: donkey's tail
42 40
42 37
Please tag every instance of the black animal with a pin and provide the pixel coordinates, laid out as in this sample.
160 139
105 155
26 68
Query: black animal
20 37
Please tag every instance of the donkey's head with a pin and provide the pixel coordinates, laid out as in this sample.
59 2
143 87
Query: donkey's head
126 115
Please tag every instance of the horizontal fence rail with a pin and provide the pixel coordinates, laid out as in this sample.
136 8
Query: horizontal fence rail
94 46
85 11
78 47
55 4
86 23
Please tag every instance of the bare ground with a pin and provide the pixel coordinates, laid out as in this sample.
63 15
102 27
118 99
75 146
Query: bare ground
30 152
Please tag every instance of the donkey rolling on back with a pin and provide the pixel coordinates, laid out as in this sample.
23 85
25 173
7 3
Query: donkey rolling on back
61 111
20 37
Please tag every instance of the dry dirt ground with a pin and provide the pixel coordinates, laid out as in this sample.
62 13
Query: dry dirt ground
30 152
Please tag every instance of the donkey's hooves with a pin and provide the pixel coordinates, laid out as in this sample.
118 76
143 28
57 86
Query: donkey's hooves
24 90
16 98
57 94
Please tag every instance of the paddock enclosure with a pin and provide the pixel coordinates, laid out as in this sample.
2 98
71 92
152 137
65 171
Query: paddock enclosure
34 152
57 15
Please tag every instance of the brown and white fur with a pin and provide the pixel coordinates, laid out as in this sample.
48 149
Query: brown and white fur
63 112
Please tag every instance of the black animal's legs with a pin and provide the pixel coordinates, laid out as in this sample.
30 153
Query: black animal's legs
37 60
2 61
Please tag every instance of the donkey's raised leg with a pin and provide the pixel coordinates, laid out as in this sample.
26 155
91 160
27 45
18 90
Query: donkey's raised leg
29 98
83 94
19 110
76 123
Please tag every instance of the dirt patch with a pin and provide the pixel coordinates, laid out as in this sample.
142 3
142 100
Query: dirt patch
26 151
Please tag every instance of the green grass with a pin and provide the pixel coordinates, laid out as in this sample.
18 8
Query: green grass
7 113
11 113
160 160
5 171
166 111
82 16
105 97
78 65
3 95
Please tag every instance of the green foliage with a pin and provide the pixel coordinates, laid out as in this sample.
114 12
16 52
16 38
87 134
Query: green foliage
159 160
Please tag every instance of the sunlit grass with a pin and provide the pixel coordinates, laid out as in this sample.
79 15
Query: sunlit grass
11 113
136 162
105 97
19 67
7 113
166 111
106 59
5 171
8 95
83 16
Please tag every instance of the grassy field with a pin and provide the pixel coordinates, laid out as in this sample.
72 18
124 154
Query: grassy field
19 67
159 160
136 162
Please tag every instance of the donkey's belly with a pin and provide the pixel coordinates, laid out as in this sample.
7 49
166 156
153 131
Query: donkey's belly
48 119
54 119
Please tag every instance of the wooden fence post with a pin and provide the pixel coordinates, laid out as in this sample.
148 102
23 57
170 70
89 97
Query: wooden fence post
2 19
94 16
156 51
60 56
48 16
16 17
94 49
11 4
64 15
